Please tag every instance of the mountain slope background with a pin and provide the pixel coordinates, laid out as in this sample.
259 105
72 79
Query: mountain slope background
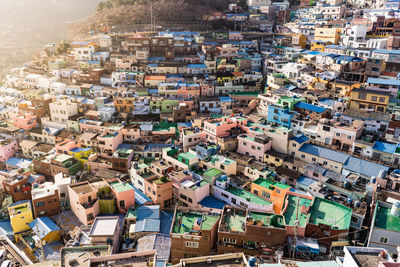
27 25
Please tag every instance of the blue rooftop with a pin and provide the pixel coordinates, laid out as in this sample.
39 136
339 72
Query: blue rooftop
300 138
42 226
140 197
310 107
324 153
148 212
383 81
364 167
147 225
384 147
212 202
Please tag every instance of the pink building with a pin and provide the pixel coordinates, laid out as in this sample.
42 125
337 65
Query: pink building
223 127
235 36
207 89
25 121
124 194
65 146
254 146
109 143
344 136
84 202
7 149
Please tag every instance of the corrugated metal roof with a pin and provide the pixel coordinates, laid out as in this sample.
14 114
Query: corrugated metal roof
324 153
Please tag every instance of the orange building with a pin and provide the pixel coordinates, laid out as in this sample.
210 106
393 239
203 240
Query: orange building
159 189
271 191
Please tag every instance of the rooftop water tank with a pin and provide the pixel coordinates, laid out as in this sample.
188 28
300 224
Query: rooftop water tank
395 211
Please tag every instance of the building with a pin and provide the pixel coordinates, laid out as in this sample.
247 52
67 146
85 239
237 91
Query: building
368 257
106 231
327 35
274 192
45 199
254 146
21 215
385 227
84 202
250 232
193 233
45 229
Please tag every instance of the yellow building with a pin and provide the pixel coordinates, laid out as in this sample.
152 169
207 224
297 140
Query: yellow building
327 35
319 45
299 40
364 100
81 154
20 215
46 229
344 87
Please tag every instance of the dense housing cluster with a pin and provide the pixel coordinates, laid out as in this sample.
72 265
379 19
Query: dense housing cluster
275 143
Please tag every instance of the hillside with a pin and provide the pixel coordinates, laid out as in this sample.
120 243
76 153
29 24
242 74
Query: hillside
114 13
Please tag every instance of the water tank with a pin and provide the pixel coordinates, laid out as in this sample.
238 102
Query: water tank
373 180
346 185
357 204
382 174
395 211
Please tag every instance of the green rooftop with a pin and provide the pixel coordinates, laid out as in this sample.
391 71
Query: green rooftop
247 196
268 219
185 222
188 155
330 213
385 220
212 172
121 187
293 211
270 184
236 222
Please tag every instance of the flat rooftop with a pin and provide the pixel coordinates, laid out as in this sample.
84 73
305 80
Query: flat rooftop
330 213
82 188
247 196
385 220
270 184
104 226
185 222
297 210
120 186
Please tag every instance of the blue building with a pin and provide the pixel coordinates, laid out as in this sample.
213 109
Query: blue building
280 115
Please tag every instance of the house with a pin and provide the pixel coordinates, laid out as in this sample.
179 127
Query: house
105 231
193 233
25 121
368 100
124 194
385 227
296 207
8 148
281 115
327 34
45 229
233 195
328 220
250 232
254 146
84 202
159 189
312 111
271 191
354 256
17 185
45 199
21 215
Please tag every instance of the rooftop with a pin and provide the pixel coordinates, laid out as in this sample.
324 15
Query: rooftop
270 184
188 222
385 220
104 226
247 196
297 209
330 213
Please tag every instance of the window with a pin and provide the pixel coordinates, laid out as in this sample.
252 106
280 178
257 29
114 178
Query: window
225 195
374 98
338 134
293 145
62 195
354 219
380 109
122 203
325 162
326 128
191 244
349 137
265 195
315 174
229 240
384 239
362 95
382 99
40 204
303 156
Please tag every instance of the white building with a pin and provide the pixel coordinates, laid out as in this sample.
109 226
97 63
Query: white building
62 109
